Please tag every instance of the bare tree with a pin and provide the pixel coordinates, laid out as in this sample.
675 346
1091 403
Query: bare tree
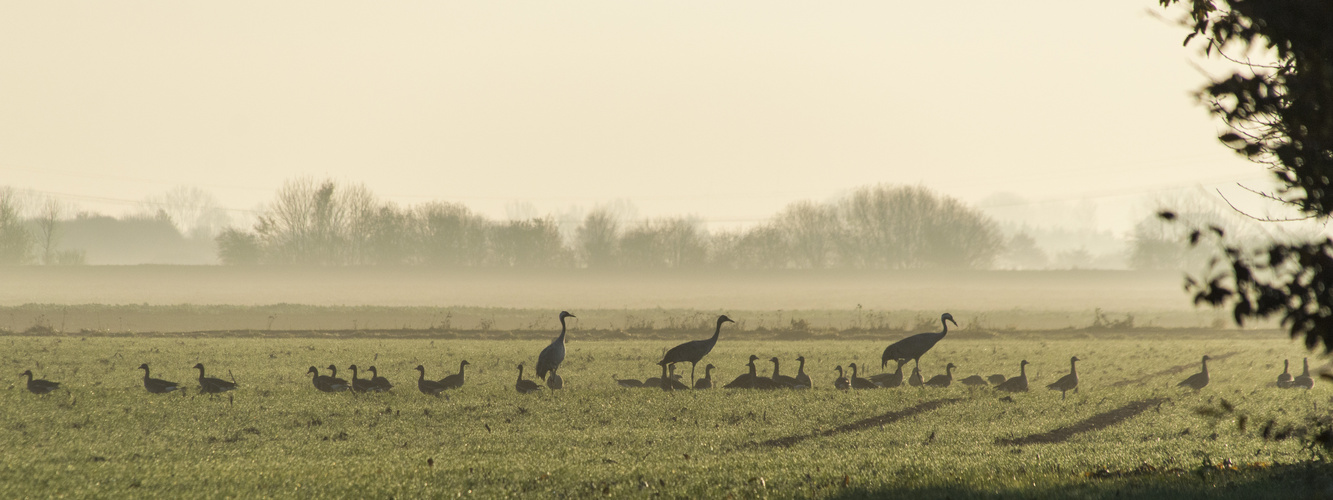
809 230
599 238
48 229
15 240
195 212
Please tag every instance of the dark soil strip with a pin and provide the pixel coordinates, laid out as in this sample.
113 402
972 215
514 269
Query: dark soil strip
1170 371
1094 423
886 418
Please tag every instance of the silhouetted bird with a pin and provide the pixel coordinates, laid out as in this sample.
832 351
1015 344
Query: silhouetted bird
156 385
1284 378
942 380
211 385
322 382
629 382
707 381
335 381
995 379
781 380
1068 382
842 382
1016 384
360 384
39 386
428 387
378 383
915 379
695 350
745 380
1303 380
802 380
912 348
525 386
456 380
554 381
894 379
861 383
1198 380
551 357
974 380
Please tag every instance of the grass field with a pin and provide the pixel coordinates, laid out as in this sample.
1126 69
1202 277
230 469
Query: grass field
102 435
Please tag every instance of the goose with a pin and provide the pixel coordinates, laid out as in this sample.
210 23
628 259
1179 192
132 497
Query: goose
551 357
915 379
842 382
1284 379
802 380
995 379
555 381
525 386
1068 382
707 381
211 385
428 387
1016 384
695 350
781 380
359 384
671 382
861 383
337 382
1198 380
456 380
942 381
39 386
1304 379
628 382
156 385
912 348
378 383
894 379
745 380
321 382
974 381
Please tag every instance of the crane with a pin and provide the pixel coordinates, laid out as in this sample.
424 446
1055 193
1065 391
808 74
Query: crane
695 350
551 357
912 348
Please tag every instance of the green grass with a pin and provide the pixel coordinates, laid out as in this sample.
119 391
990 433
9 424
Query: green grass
102 435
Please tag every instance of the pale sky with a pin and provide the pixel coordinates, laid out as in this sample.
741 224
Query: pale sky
728 110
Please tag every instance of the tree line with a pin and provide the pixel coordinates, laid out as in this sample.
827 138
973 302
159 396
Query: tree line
323 222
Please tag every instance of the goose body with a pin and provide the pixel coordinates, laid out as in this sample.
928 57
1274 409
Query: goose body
861 383
428 387
212 385
1068 382
39 386
337 382
1016 384
322 382
1198 380
942 381
628 382
1284 378
359 384
551 357
802 380
894 379
378 383
555 381
974 380
995 379
779 379
525 386
671 382
156 385
842 382
745 380
695 350
915 379
912 348
456 380
1304 380
707 381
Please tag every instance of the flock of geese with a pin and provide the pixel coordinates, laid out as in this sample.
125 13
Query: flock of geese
550 359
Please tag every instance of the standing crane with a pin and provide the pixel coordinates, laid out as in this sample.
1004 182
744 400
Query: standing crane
551 357
1070 382
912 348
695 350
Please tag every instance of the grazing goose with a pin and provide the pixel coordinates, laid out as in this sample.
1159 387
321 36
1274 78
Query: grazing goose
1284 379
802 380
707 381
337 382
1304 379
39 386
672 381
695 350
974 380
322 382
745 380
156 385
1068 382
861 383
628 382
894 379
842 382
551 357
555 381
428 387
995 379
1016 384
1198 380
525 386
456 380
378 383
912 348
211 385
781 380
359 384
915 379
656 382
942 381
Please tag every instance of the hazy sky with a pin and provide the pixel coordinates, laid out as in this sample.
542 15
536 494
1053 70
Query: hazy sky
729 110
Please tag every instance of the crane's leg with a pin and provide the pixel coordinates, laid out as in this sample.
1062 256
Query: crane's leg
692 365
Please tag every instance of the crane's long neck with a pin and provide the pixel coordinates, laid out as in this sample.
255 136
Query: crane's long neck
716 332
944 323
562 330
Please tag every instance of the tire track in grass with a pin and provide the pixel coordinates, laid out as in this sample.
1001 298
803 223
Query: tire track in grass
867 423
1094 423
1171 370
